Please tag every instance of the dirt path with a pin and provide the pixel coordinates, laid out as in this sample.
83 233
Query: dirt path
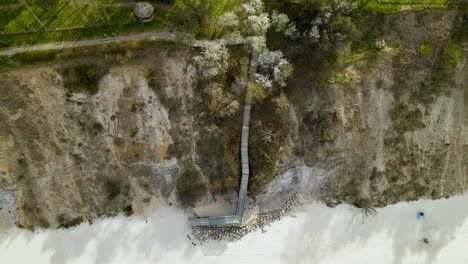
132 4
162 35
121 4
158 35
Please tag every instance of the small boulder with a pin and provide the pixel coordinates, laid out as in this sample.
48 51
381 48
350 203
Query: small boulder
144 11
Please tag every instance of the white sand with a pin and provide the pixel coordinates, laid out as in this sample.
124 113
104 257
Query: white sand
318 234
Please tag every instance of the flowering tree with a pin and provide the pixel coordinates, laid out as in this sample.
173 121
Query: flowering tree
252 7
281 103
213 60
279 21
273 68
201 16
292 32
331 22
255 25
228 19
221 102
254 21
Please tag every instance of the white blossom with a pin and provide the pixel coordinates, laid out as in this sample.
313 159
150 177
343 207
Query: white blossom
314 34
263 80
380 43
268 59
212 129
274 68
255 25
279 21
343 6
317 21
282 71
231 108
213 60
258 43
253 7
291 32
228 19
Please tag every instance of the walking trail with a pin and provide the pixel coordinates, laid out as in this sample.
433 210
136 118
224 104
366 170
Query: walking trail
160 35
238 219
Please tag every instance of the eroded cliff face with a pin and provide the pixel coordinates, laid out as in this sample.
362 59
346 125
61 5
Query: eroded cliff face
71 156
385 126
372 129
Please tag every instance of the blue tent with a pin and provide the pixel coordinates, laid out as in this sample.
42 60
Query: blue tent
421 215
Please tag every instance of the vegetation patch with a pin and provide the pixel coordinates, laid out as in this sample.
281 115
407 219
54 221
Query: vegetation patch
452 55
201 17
190 187
67 223
55 15
83 76
153 82
112 189
393 6
269 131
97 128
426 49
161 22
405 119
342 77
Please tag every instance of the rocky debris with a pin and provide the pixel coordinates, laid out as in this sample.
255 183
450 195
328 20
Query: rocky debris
234 233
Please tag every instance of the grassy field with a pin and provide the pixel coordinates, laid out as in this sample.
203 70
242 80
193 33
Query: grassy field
9 2
60 15
392 6
160 22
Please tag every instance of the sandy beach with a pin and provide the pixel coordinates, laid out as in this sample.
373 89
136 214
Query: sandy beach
314 233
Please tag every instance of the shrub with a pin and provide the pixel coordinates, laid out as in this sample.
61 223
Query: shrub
257 92
379 44
273 67
202 16
152 81
426 50
97 128
452 55
281 103
189 187
228 19
88 76
213 60
112 190
279 21
40 55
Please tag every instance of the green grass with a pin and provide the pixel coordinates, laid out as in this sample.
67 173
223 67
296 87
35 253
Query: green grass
8 2
201 17
393 6
19 19
426 49
452 55
160 22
